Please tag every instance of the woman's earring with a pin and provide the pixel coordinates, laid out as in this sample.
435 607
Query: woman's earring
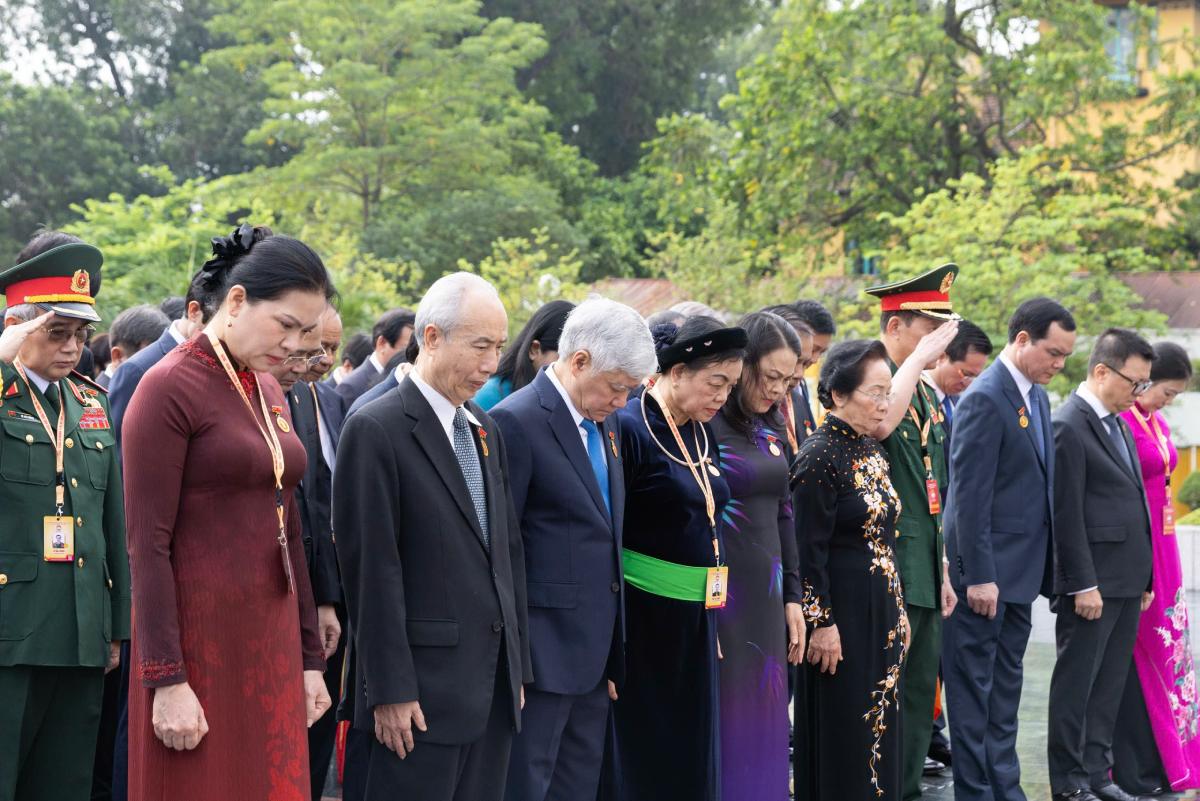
229 323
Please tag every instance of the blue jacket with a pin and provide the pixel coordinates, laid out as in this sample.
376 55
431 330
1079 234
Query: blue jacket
572 547
129 375
377 391
999 521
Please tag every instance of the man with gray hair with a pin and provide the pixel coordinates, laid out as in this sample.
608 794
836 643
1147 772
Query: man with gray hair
569 496
432 563
132 330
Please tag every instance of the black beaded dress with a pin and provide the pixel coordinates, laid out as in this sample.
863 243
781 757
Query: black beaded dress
849 510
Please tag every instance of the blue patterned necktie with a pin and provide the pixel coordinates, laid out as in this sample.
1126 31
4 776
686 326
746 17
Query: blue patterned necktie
595 449
468 462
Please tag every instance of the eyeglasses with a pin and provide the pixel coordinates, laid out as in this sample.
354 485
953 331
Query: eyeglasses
878 397
967 378
1139 387
59 335
309 360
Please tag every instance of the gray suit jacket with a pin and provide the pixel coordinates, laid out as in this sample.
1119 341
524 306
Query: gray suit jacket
1102 523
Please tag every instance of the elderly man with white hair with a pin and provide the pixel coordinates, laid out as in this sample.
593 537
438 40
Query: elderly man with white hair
432 564
569 496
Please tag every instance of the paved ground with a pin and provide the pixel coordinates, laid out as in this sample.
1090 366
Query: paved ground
1039 660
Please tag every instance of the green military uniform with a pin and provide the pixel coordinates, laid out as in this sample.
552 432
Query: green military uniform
57 618
919 545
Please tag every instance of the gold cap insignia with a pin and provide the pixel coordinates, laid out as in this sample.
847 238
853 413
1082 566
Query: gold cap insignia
81 283
947 282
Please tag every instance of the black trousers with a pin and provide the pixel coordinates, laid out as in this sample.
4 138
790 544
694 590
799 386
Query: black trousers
1094 659
1137 765
323 734
472 772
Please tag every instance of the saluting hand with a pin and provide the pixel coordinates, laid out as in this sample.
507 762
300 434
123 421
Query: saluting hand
934 344
394 724
316 696
14 336
178 718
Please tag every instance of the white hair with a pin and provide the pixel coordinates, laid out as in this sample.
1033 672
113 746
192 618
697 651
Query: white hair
442 304
24 312
613 334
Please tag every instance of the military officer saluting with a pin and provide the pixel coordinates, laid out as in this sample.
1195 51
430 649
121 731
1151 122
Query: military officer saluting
64 575
917 324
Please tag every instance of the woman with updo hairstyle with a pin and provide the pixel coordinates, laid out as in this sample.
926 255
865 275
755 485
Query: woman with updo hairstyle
666 714
757 639
847 507
227 666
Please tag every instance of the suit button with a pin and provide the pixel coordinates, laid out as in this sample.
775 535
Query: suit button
79 562
497 626
79 522
3 579
615 587
70 443
74 483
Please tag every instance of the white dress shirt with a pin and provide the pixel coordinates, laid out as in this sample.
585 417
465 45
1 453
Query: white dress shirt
176 334
575 415
442 407
375 363
1024 385
327 450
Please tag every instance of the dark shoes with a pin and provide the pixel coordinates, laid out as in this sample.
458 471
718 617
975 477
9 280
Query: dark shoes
1075 795
933 767
940 753
1111 792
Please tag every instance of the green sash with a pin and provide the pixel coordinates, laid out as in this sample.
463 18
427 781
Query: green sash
670 580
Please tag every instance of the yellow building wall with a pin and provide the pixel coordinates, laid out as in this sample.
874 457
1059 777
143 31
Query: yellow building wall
1178 22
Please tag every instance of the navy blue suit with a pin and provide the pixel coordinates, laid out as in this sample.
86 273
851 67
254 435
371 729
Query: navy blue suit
574 588
377 391
998 526
129 375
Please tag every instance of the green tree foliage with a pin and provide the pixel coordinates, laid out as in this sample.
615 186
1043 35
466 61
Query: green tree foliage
58 147
1189 493
864 107
1028 228
615 66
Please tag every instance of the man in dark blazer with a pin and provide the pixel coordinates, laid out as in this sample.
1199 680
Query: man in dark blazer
998 526
390 336
1102 565
432 562
317 419
569 496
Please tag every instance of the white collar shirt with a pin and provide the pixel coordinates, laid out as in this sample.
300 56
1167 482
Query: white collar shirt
442 407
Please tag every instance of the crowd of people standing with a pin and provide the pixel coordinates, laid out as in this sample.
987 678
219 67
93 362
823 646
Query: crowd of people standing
619 558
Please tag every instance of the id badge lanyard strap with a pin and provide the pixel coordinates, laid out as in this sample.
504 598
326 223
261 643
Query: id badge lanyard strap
930 479
57 436
269 436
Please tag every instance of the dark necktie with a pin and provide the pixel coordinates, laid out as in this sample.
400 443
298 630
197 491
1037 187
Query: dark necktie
52 396
595 449
1035 419
1113 425
468 462
948 413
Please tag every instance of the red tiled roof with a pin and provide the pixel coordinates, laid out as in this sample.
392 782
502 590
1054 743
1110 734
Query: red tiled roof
1175 294
646 295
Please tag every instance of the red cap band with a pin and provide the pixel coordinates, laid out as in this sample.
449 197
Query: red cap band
896 302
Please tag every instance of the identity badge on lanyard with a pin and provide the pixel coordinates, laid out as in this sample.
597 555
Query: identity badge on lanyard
1164 450
932 493
58 530
277 464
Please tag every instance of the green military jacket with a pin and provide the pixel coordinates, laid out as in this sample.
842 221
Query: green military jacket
919 545
60 613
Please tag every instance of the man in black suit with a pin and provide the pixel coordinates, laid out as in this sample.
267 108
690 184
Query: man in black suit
132 330
1102 565
317 421
390 336
432 564
569 495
